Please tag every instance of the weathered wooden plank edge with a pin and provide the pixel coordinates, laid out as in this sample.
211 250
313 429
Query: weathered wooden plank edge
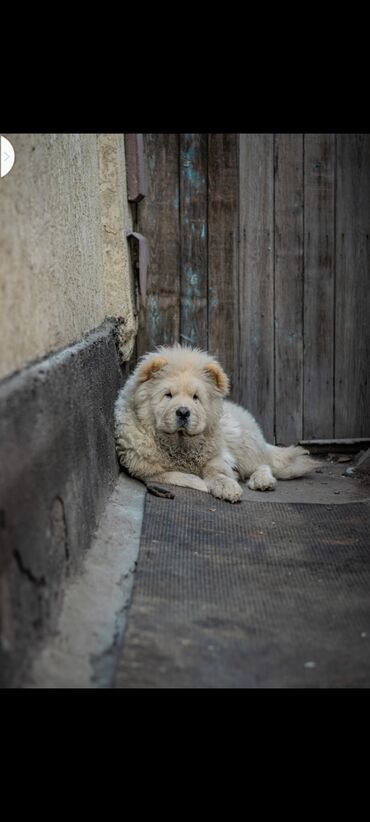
344 445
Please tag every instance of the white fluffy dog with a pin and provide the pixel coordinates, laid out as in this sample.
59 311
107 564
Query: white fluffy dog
173 425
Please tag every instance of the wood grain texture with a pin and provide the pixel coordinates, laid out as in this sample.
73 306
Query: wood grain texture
259 251
223 326
158 221
193 239
135 167
319 190
256 273
289 286
352 325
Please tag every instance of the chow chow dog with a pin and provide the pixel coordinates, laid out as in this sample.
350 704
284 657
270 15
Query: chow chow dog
173 425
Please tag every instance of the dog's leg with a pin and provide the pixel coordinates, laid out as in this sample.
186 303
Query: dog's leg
174 478
220 479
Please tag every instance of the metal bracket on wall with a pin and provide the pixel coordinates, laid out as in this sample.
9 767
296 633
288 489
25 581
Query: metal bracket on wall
140 260
135 167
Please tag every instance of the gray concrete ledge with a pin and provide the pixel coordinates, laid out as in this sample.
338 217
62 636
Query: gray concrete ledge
83 651
58 466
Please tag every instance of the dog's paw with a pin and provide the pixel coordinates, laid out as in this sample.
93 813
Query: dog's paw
262 480
159 491
225 488
299 450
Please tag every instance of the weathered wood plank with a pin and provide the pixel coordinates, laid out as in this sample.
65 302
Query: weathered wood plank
135 167
338 446
256 273
193 239
319 188
352 325
223 326
158 220
289 286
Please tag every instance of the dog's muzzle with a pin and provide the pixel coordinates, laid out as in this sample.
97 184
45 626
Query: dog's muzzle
183 415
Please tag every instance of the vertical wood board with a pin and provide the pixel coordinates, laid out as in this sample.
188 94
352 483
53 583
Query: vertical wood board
159 221
193 239
352 324
319 259
289 287
256 288
223 299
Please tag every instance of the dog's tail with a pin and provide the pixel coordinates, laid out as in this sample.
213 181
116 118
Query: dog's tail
290 462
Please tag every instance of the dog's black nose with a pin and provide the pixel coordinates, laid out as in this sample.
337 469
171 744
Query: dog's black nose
183 413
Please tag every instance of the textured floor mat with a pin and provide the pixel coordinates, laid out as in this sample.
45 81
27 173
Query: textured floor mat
252 595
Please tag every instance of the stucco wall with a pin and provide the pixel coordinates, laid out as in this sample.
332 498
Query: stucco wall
64 262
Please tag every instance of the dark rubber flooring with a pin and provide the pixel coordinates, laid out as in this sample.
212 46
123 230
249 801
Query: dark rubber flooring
254 595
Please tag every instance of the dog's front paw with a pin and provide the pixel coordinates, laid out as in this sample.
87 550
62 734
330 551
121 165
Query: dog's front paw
262 479
225 488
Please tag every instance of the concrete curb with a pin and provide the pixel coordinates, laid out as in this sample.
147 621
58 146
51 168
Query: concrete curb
83 651
58 466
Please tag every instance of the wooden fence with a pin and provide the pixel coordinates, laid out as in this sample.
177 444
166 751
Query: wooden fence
259 252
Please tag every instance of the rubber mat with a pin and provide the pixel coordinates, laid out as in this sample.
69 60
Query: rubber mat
254 595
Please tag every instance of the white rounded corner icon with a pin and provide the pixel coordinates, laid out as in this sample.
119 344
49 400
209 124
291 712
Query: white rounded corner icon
7 156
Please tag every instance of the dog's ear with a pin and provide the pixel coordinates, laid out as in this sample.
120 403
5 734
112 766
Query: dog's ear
150 366
214 370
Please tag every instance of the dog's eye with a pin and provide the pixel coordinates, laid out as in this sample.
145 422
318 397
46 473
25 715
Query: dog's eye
195 397
168 394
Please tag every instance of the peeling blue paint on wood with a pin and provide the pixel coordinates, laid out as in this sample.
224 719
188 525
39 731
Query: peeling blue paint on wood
190 308
153 314
191 282
193 231
192 174
190 160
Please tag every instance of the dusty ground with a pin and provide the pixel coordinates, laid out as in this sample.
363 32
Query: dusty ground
327 485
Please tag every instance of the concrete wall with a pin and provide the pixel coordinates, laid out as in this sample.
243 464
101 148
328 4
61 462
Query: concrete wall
57 467
66 301
64 263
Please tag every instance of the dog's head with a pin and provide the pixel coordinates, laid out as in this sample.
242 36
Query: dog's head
180 389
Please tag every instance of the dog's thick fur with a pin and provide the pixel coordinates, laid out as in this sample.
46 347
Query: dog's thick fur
173 425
